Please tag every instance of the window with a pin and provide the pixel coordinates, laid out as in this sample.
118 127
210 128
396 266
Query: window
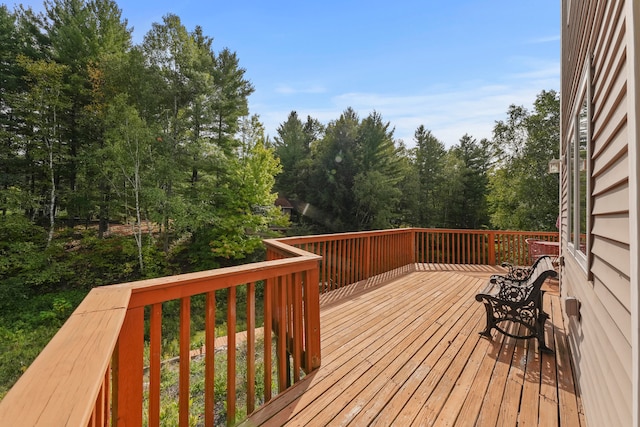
581 177
577 163
570 191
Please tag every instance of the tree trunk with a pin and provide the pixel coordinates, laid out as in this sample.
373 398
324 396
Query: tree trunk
52 201
103 223
138 226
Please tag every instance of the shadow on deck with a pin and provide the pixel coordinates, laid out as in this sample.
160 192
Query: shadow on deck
405 350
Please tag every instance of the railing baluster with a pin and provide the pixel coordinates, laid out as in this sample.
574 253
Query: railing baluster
434 247
281 344
268 323
128 370
290 306
209 357
297 325
395 256
382 262
382 242
352 257
231 355
100 415
345 262
332 260
357 267
325 268
340 263
185 360
251 347
155 349
492 248
426 250
363 259
106 401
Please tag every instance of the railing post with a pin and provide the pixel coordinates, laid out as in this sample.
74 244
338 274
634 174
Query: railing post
367 257
312 319
128 370
492 248
412 246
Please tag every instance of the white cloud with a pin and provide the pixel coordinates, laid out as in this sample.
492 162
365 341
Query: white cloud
470 107
448 114
284 89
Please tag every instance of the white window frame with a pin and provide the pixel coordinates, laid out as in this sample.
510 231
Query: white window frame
576 164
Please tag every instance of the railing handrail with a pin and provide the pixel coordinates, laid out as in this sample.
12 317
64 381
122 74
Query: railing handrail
147 292
487 231
293 240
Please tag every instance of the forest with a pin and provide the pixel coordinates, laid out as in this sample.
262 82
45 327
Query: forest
122 161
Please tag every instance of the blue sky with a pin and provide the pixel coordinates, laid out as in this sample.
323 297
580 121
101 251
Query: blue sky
453 66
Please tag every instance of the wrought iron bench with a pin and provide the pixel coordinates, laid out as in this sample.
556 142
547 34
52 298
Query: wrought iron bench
510 300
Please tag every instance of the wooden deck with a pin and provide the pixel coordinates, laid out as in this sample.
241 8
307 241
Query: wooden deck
408 352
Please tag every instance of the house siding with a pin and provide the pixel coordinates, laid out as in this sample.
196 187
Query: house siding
595 33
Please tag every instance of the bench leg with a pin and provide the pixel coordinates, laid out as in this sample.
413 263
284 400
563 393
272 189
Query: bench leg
542 318
491 321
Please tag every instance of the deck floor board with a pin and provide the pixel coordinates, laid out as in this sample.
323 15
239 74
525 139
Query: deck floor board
407 352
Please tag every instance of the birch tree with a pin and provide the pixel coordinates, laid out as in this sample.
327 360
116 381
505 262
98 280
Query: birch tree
129 152
43 107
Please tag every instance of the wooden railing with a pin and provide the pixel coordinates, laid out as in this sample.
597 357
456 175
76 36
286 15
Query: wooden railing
100 351
487 247
93 371
351 257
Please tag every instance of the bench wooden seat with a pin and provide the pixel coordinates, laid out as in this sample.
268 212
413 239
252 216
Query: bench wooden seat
517 299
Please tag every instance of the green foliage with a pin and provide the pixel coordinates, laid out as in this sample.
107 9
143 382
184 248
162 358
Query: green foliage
430 174
169 410
27 265
111 260
100 128
469 209
293 148
245 202
354 175
360 178
26 326
375 196
523 196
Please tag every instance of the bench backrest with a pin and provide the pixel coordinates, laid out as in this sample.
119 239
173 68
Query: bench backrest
528 288
542 266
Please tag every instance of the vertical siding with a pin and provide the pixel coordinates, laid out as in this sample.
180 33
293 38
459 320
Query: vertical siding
601 339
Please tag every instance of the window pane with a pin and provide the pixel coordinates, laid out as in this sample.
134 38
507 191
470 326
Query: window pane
570 187
581 167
